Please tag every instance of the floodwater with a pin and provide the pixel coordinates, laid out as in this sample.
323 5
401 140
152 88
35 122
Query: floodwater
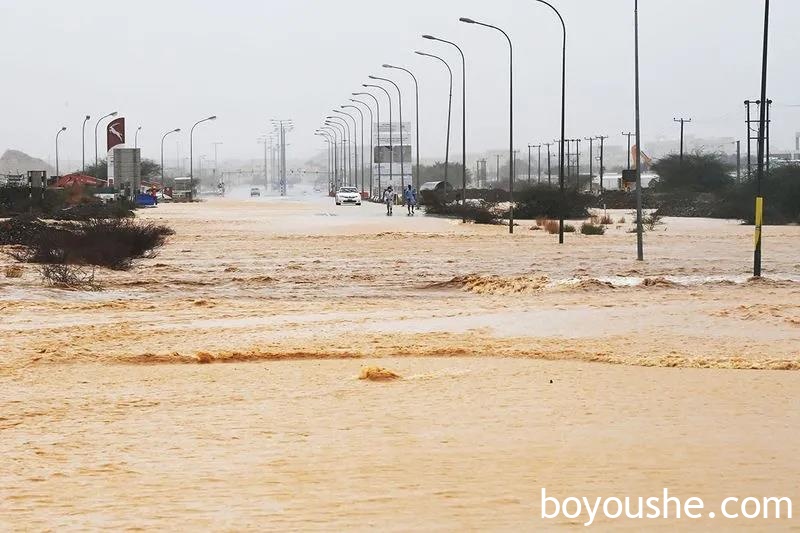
667 373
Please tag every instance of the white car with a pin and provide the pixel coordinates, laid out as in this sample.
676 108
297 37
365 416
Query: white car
348 195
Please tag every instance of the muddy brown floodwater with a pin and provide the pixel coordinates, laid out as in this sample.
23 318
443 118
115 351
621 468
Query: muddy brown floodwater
524 365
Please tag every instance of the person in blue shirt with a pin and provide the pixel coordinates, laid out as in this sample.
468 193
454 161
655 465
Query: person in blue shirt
410 199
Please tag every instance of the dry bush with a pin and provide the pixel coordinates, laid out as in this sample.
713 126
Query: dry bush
13 271
569 228
540 221
551 226
587 228
69 277
621 221
606 220
111 243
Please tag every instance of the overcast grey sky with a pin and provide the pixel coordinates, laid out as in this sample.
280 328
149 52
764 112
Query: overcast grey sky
164 64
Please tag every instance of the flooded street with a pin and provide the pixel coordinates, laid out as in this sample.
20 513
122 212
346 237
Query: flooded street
524 365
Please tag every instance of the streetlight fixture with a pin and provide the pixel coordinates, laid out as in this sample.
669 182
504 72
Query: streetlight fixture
83 143
334 132
416 109
347 142
400 111
377 139
136 137
371 147
191 153
354 139
391 145
96 154
511 158
449 110
176 130
563 115
463 116
62 130
361 114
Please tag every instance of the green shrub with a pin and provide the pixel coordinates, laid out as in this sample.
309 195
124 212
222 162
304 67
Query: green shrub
587 228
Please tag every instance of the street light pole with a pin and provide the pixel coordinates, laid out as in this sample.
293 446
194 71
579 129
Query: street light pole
62 130
682 121
416 109
391 145
639 228
362 142
591 161
762 130
83 143
602 139
449 113
349 142
371 146
463 117
96 154
377 139
402 146
176 130
511 157
563 115
136 137
354 142
335 126
191 154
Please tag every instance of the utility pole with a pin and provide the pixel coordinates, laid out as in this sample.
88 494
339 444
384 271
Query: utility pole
577 162
602 139
549 174
529 164
591 161
629 135
738 161
682 121
498 170
763 131
539 165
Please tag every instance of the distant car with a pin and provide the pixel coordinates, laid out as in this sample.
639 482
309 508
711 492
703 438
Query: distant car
254 192
348 195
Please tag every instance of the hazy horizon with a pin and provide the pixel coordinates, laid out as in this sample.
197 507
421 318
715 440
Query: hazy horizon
167 65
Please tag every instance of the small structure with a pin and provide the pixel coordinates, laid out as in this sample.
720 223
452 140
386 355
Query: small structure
77 178
435 191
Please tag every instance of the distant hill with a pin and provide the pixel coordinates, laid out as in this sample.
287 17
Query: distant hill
16 162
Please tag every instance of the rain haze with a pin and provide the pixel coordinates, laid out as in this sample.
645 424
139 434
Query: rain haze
164 65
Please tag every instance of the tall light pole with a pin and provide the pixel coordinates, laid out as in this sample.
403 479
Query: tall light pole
136 137
591 160
463 116
391 141
349 142
62 130
361 114
563 118
511 158
449 112
639 228
371 146
191 154
340 131
96 154
354 140
416 109
83 143
402 146
762 129
176 130
377 139
334 132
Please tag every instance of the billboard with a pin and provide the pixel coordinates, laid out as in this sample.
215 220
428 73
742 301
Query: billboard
115 133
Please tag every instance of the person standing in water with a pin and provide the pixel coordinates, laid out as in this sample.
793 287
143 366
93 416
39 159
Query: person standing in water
410 199
388 199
